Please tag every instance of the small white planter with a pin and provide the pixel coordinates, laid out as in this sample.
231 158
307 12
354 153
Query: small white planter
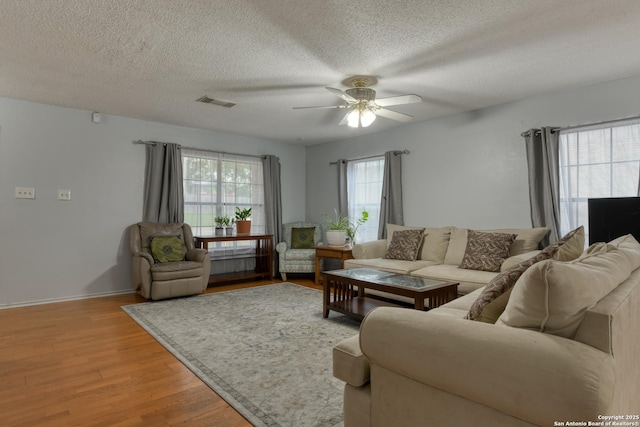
336 237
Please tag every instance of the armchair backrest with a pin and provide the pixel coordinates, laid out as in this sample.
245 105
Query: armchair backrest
142 232
317 234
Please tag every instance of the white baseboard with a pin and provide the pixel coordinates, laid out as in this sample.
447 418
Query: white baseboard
63 299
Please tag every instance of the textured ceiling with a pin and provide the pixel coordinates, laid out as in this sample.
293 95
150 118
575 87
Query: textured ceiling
151 59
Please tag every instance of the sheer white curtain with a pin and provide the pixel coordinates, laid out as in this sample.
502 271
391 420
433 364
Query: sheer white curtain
364 178
596 161
216 183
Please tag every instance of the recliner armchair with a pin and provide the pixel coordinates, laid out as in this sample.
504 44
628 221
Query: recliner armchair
295 260
168 279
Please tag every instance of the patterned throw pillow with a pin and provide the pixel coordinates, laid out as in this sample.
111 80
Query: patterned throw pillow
489 305
486 251
492 301
302 238
405 244
167 249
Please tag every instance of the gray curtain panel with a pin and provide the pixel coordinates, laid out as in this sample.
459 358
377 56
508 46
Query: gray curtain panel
391 200
163 198
544 180
343 192
272 200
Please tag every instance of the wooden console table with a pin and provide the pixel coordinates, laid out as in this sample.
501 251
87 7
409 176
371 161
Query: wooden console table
263 256
334 252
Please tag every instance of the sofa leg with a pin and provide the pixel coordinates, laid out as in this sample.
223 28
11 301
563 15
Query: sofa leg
284 276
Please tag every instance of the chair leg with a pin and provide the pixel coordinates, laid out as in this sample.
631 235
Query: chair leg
284 275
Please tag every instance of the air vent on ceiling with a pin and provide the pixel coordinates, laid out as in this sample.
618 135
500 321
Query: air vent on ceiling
220 102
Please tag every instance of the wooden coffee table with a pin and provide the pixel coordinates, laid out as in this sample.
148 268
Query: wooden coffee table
350 297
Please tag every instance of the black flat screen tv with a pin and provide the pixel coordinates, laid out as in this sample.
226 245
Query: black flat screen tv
613 217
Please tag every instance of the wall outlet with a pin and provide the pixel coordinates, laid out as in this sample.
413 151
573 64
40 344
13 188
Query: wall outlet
64 194
25 193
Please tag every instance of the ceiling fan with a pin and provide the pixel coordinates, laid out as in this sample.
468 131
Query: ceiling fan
363 105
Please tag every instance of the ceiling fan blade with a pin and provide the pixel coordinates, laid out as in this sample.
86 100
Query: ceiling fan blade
342 94
397 100
345 119
327 106
393 115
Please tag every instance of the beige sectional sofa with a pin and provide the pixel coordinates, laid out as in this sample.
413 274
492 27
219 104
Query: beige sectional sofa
441 253
565 349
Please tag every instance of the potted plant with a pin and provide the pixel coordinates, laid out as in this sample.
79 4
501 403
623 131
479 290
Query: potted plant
340 227
219 220
229 225
243 222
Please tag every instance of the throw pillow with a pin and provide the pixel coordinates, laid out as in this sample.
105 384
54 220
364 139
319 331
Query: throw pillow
486 251
553 296
570 246
302 238
492 301
167 249
405 245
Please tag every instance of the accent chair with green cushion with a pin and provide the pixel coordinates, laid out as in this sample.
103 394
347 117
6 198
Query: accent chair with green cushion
165 262
297 254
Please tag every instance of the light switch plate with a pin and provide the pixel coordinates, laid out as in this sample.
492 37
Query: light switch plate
25 193
64 194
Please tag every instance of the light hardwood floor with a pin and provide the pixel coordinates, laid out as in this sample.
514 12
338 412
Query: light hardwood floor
87 363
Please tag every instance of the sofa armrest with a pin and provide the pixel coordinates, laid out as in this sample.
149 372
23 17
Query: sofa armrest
349 364
281 247
374 249
530 375
517 259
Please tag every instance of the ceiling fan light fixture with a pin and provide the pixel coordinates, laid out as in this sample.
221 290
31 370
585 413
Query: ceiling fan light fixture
360 117
367 117
353 119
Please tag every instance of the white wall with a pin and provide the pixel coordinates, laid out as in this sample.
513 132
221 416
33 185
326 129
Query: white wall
50 249
469 170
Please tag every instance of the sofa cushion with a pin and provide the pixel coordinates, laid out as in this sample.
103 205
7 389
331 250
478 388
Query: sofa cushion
553 296
299 255
494 297
469 280
393 265
405 245
486 251
527 239
434 244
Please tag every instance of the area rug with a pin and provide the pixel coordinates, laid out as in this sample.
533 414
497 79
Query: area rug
266 350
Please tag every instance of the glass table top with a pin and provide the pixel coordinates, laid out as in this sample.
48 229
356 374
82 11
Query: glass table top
387 278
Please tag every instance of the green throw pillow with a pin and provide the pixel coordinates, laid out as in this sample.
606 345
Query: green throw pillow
167 248
302 238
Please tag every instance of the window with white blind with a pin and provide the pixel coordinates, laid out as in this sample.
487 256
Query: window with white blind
216 183
364 181
595 162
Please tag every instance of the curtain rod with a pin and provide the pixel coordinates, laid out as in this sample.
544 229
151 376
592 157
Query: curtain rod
203 149
604 122
395 153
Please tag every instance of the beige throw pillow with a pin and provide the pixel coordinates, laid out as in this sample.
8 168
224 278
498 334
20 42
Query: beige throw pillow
494 297
405 245
486 251
553 296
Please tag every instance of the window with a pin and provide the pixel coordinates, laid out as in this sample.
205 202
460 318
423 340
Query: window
364 178
596 162
216 183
